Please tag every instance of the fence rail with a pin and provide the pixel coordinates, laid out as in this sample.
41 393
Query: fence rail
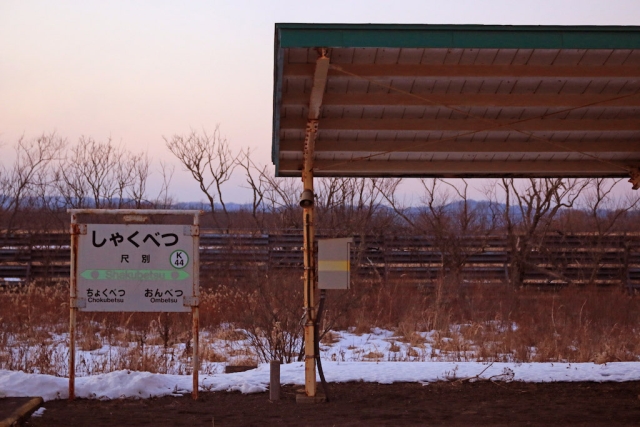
556 259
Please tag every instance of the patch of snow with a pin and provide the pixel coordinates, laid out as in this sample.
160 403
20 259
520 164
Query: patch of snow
39 412
142 385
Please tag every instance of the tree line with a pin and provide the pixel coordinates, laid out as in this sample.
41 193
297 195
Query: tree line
49 175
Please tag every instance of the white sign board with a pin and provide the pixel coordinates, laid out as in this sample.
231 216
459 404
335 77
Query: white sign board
130 267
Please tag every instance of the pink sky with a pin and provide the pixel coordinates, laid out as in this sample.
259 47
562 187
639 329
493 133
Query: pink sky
138 70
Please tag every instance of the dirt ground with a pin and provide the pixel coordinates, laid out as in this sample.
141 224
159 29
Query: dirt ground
370 404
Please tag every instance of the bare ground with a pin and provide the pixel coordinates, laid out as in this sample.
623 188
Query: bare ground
359 403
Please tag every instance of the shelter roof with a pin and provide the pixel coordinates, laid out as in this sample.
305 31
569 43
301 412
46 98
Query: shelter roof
457 100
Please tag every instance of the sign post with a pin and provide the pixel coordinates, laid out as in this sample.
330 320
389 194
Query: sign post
134 266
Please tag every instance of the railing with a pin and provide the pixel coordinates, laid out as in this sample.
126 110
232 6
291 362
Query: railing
556 260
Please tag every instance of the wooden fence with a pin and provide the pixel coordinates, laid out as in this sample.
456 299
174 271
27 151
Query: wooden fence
612 260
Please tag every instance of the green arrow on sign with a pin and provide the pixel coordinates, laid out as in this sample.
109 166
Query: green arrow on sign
136 275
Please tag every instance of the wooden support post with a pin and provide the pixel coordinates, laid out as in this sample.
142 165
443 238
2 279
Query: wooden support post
196 344
73 306
310 286
72 352
309 293
195 309
274 380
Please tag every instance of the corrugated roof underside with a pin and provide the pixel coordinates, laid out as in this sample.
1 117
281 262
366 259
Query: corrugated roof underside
465 112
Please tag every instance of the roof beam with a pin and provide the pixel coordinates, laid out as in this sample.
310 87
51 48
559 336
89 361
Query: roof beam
390 71
319 84
466 99
311 125
468 125
448 146
459 169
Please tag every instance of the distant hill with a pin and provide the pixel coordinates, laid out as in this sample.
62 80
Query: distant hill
231 207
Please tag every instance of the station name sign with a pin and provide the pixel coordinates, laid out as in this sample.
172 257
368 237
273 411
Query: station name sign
135 267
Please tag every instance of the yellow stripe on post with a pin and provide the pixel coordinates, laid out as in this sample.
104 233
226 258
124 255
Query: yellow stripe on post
324 265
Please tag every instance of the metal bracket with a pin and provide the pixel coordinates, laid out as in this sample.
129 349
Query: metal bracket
78 229
312 126
190 301
78 303
191 230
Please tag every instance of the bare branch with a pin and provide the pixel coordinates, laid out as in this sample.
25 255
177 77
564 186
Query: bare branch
29 175
209 160
254 179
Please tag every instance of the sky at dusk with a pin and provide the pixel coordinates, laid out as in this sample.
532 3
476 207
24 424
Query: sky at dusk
136 71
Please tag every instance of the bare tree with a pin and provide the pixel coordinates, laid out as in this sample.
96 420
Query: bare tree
87 174
604 207
272 318
531 205
29 175
389 190
137 166
164 200
257 183
70 185
606 211
281 200
454 221
209 160
99 174
348 206
455 224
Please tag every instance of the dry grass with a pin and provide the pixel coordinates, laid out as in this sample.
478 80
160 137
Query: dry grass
499 323
407 332
577 325
373 355
469 323
330 337
209 354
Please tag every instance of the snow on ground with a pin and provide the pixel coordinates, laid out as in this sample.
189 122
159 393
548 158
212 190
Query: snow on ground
128 384
350 357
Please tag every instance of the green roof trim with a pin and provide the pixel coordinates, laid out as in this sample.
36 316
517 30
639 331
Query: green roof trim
457 36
